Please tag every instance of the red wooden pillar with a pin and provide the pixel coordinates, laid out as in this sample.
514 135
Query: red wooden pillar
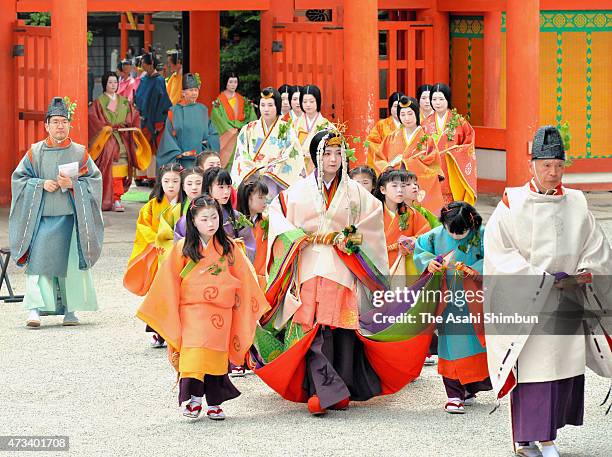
124 35
8 149
360 68
523 54
441 43
492 68
69 59
148 30
280 11
204 52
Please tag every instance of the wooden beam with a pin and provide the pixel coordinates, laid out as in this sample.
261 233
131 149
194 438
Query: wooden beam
139 6
471 6
176 5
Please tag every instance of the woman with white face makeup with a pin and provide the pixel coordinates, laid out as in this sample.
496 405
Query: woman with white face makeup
454 139
311 122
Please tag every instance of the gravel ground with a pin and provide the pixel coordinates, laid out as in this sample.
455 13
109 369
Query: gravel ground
103 386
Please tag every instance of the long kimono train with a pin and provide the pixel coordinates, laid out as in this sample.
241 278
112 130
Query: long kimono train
312 341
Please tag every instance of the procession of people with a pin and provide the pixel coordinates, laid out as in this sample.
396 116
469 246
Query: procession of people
265 247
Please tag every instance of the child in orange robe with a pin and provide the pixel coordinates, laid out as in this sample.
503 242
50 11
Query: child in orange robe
205 301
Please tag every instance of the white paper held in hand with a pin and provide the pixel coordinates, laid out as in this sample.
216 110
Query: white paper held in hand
69 170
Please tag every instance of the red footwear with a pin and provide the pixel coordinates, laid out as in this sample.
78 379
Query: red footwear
342 405
314 406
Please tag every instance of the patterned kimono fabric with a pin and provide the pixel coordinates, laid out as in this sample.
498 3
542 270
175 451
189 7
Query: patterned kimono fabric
229 116
323 295
207 313
305 130
127 87
116 153
455 141
152 101
144 260
461 347
381 130
415 153
410 223
273 152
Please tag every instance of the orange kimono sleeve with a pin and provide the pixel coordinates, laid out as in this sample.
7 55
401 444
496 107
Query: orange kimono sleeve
374 138
419 223
160 308
142 265
250 305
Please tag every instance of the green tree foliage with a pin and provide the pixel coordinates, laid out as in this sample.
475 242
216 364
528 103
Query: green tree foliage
39 19
240 50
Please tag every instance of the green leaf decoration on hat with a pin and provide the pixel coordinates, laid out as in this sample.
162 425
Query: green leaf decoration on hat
198 79
71 107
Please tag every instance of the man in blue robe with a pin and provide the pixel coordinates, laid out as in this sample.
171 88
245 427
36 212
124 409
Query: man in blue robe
55 224
188 130
153 103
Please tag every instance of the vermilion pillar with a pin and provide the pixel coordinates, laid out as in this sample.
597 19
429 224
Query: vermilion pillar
8 149
148 30
204 52
360 68
492 68
69 59
124 36
441 45
523 106
281 11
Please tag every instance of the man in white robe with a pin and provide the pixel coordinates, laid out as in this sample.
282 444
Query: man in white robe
546 256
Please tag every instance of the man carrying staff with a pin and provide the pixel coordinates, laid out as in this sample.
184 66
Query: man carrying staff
55 224
546 256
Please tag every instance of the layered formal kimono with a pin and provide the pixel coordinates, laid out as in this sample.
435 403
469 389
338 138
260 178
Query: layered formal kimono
455 141
229 116
275 153
410 224
461 346
166 232
116 144
381 130
311 341
144 259
207 312
188 132
530 236
415 153
57 235
256 243
305 131
174 87
152 101
127 87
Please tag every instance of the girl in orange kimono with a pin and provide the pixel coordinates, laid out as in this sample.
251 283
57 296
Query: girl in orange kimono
402 222
454 139
205 301
383 128
145 259
365 176
410 148
252 195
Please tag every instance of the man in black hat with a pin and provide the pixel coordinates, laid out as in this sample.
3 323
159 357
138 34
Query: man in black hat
542 244
188 130
55 225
